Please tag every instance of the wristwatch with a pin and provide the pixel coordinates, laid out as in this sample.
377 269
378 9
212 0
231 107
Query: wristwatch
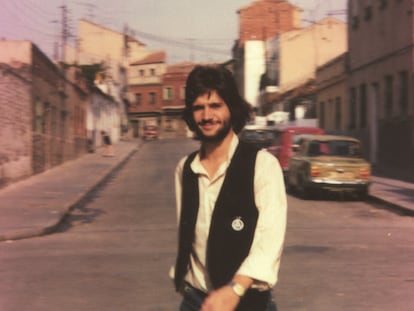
237 288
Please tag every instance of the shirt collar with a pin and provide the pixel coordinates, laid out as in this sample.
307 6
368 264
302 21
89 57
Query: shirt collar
196 166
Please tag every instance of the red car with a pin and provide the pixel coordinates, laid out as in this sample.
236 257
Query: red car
287 142
150 132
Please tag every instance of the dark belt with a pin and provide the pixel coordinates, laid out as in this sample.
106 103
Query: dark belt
188 288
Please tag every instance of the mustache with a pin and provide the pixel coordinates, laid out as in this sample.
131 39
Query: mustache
207 121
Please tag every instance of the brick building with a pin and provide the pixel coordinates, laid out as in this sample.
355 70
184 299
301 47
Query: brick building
16 124
145 87
259 21
264 19
56 106
173 102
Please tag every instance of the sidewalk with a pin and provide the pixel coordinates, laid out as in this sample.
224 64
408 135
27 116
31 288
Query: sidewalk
395 193
37 205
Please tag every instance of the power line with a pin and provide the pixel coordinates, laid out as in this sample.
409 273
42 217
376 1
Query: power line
177 43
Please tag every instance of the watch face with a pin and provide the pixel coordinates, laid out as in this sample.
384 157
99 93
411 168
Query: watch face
238 289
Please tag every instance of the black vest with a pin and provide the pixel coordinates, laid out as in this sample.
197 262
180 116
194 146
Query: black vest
233 222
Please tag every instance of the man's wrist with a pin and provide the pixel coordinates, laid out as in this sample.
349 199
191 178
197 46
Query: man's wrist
237 288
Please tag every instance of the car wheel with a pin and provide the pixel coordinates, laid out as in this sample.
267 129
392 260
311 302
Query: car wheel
290 188
363 194
303 191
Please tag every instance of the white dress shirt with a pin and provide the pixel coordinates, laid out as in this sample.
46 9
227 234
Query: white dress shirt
262 263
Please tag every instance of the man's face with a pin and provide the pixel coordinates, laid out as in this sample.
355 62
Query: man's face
212 117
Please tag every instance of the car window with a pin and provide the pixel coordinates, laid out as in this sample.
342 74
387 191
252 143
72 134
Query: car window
260 138
314 149
341 148
345 148
257 135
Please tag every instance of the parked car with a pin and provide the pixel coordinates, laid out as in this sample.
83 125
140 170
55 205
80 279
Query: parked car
150 132
281 141
287 142
327 162
261 136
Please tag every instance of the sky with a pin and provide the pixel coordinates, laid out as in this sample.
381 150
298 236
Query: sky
188 30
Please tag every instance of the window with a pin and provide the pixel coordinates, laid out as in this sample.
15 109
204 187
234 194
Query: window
46 118
53 125
63 121
362 106
152 98
354 14
338 113
342 148
388 96
322 114
403 93
142 72
39 122
368 13
355 22
138 99
152 72
168 93
330 112
352 108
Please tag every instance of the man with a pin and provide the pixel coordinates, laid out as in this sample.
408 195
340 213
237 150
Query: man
108 149
231 204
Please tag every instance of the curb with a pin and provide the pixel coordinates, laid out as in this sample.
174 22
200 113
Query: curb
391 206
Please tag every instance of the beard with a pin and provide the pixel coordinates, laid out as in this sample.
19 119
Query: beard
217 137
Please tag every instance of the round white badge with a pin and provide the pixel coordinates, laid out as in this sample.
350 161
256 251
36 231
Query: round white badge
237 224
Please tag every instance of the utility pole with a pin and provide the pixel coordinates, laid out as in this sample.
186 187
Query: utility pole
65 32
62 86
55 43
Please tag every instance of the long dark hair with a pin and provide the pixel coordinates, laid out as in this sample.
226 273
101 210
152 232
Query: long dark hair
204 79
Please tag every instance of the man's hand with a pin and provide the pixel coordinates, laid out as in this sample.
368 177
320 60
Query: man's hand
222 299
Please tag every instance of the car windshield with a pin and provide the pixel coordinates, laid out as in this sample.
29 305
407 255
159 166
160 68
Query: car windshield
342 148
261 138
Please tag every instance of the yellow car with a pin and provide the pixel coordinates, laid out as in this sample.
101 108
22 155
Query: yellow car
327 162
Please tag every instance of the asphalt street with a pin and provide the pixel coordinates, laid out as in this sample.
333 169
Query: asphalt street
113 250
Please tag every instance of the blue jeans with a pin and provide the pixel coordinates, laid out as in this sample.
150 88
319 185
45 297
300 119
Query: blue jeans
193 299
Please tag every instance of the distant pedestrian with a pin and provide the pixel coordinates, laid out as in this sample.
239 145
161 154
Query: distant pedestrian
231 204
108 148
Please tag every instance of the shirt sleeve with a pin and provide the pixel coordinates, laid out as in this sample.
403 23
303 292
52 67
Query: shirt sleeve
262 263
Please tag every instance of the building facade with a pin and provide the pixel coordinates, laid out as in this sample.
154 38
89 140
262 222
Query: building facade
16 117
292 61
259 21
113 50
102 114
380 81
331 96
145 89
57 108
173 102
